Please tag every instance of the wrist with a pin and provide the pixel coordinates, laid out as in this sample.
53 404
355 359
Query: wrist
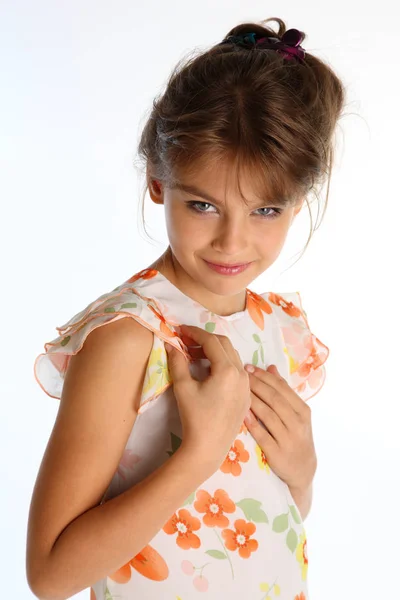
302 486
194 460
303 498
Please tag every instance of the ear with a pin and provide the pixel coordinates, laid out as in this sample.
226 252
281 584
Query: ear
297 208
156 190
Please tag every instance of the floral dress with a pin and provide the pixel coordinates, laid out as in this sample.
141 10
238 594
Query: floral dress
239 535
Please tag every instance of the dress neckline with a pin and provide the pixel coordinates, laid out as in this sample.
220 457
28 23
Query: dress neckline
231 317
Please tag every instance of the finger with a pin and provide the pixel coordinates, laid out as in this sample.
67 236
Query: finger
217 349
279 383
197 352
274 400
231 351
269 419
263 438
178 365
188 341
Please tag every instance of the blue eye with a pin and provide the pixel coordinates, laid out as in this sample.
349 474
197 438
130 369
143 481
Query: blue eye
193 205
276 213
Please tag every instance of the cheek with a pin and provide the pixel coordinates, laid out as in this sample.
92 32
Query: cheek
270 239
184 230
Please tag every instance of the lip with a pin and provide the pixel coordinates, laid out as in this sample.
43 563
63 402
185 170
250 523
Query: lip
226 265
227 269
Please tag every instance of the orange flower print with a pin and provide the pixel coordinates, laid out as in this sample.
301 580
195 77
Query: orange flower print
262 459
288 307
240 538
184 525
144 274
148 562
169 314
302 555
306 353
310 355
214 507
313 361
310 373
243 428
304 345
164 325
300 596
314 381
236 454
148 274
256 305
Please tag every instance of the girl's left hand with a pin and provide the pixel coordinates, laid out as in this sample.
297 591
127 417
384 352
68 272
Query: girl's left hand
286 437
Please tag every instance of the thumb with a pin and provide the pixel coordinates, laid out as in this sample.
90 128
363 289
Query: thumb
177 364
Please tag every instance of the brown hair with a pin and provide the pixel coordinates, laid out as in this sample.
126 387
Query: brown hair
273 116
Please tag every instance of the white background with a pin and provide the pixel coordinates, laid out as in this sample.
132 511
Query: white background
77 82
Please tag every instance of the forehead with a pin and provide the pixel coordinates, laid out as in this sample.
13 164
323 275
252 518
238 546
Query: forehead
217 181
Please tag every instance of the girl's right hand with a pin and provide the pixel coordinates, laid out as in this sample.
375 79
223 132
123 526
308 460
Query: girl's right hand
211 411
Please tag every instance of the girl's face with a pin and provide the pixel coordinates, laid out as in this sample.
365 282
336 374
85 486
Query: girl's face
203 225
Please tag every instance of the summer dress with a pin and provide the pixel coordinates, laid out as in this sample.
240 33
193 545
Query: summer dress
239 535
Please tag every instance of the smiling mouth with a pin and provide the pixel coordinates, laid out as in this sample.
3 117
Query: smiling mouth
227 266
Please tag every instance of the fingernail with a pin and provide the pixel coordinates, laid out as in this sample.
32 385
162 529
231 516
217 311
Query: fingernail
249 419
250 368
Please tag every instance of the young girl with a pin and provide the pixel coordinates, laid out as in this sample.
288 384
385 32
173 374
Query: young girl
155 483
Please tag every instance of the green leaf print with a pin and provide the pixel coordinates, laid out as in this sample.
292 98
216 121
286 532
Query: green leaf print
216 554
129 305
175 443
256 338
255 358
281 523
65 340
291 540
295 514
189 499
210 326
262 353
108 595
252 510
109 309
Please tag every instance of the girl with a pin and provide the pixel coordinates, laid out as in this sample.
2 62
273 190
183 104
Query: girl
173 472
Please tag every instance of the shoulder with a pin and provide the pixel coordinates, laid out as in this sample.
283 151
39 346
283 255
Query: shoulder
118 343
113 359
125 331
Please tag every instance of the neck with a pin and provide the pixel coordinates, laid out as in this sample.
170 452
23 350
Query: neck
168 266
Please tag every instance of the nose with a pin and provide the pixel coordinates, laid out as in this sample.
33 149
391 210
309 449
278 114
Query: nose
231 237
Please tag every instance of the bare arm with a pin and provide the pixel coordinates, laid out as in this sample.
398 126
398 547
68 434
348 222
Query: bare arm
72 541
108 536
303 499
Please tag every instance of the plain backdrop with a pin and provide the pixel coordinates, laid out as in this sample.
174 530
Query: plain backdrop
77 82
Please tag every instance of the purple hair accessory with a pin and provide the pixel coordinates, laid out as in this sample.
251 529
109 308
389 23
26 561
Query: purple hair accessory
288 46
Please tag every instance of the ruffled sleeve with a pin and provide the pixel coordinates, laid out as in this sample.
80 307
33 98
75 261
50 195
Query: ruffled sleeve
125 301
306 354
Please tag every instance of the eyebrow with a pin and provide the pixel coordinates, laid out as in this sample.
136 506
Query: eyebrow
192 189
